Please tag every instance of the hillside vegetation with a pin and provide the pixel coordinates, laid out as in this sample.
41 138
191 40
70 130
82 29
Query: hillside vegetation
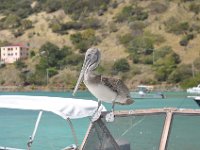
141 41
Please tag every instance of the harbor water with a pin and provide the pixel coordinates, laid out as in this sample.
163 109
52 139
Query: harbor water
53 132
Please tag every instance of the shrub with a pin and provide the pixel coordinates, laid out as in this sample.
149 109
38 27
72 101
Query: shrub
52 71
11 21
100 69
78 9
3 43
142 15
18 32
125 39
194 7
89 23
2 82
197 63
131 13
185 40
195 28
124 14
121 65
147 59
157 7
32 53
174 26
19 64
56 27
2 65
141 44
114 4
164 66
26 24
72 25
162 52
73 59
52 5
21 8
83 41
52 55
112 27
92 23
135 58
137 25
191 82
161 74
182 73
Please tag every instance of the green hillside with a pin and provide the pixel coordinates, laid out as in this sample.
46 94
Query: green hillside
142 42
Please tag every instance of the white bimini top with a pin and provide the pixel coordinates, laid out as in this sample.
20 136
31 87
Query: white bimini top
65 107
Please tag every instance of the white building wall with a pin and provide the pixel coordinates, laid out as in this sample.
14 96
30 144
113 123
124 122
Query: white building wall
10 54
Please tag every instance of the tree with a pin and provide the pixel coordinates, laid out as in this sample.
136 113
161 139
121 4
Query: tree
121 65
83 41
165 65
51 54
11 21
180 74
52 5
19 64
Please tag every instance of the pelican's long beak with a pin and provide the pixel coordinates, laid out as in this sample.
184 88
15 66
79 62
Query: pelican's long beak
81 76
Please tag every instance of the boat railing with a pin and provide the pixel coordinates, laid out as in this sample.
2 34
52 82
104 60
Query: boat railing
9 148
32 137
122 133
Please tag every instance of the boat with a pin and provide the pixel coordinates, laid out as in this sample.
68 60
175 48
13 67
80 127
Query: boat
66 108
152 129
146 91
196 99
194 90
137 129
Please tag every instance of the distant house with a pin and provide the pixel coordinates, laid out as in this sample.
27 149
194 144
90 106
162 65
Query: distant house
12 53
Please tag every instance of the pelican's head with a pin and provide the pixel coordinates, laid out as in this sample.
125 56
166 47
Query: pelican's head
92 59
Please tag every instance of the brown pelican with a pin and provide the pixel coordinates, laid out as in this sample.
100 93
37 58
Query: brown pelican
105 89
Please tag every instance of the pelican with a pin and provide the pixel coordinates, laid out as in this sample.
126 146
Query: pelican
105 89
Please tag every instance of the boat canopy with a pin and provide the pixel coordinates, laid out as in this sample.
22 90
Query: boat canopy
65 107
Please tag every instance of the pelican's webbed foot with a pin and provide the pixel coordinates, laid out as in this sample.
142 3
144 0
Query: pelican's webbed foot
110 117
97 113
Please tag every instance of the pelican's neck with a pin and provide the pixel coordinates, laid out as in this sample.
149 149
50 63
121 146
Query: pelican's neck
89 76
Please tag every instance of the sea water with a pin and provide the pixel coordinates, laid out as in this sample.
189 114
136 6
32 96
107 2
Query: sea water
53 132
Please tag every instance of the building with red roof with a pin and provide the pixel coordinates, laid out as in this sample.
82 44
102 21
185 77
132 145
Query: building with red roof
14 52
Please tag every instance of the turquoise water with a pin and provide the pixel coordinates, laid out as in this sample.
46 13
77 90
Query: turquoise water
53 133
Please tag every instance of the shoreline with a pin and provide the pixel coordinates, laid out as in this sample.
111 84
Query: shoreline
53 88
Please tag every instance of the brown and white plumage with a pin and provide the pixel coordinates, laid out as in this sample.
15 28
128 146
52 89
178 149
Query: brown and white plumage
110 90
